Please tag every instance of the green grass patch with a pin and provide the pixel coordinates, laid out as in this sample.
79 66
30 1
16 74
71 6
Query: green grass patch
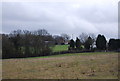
76 54
58 48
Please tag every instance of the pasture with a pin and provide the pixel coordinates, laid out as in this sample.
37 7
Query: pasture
98 65
58 48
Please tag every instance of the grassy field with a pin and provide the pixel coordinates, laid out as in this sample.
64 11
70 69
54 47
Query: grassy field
58 48
66 66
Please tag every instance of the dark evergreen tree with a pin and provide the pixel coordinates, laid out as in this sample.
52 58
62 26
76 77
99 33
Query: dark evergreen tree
98 42
101 42
104 42
72 44
88 43
78 43
114 44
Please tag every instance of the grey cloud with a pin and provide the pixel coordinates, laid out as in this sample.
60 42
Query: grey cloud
57 18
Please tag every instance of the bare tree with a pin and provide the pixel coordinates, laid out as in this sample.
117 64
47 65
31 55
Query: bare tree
92 35
66 38
58 39
83 37
42 32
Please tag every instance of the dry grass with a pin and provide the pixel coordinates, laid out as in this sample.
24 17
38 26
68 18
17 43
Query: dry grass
97 66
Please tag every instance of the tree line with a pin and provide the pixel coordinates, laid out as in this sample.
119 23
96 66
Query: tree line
88 42
24 43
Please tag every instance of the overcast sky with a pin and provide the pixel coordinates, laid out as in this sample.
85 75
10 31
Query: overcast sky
88 16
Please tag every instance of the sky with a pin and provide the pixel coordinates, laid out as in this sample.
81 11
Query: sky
85 16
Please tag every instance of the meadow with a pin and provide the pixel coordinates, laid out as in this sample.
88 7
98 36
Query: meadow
97 65
58 48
